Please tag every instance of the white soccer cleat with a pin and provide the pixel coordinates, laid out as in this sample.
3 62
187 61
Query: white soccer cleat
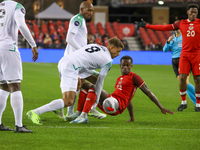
71 117
60 113
80 119
96 114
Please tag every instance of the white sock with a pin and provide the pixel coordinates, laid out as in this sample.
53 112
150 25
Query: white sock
3 100
84 114
53 105
184 102
16 101
70 109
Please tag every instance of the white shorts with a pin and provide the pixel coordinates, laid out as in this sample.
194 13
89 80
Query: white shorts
10 66
68 76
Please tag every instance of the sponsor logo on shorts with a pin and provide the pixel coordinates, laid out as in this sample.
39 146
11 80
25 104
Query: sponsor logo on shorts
76 23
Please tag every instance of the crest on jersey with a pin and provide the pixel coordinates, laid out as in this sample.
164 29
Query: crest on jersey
191 27
22 10
76 23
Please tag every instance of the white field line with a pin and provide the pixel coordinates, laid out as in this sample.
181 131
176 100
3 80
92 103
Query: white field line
76 127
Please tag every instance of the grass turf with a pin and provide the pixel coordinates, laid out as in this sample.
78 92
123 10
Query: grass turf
151 130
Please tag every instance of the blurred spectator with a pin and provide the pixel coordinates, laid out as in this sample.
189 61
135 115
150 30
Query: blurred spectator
125 44
105 41
105 35
41 36
62 38
159 46
47 41
40 43
60 29
151 46
56 44
51 24
63 45
90 39
55 36
29 22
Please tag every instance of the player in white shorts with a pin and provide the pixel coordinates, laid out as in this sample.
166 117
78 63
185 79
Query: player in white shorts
76 39
12 19
93 56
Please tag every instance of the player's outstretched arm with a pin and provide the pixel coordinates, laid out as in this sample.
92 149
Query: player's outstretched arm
151 96
130 110
141 23
35 54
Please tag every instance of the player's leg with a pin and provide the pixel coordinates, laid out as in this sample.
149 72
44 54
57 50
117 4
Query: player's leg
70 109
184 69
90 100
93 112
68 84
197 88
4 93
195 61
191 91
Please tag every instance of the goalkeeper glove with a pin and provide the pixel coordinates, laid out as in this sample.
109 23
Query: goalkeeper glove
141 24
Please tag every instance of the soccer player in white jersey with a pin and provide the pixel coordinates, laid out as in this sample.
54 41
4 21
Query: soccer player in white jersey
76 39
11 19
93 56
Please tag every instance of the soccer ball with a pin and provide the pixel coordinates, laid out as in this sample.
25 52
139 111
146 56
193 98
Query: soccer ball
110 105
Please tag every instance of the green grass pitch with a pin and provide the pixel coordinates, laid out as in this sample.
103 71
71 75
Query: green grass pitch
151 130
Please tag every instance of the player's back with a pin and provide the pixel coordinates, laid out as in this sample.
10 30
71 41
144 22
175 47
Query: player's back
91 56
8 26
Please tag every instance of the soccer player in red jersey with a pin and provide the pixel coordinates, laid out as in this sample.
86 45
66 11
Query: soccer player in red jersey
125 88
190 53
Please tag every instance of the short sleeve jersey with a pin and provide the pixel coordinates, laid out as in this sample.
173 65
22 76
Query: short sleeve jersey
190 35
78 27
93 56
9 10
125 88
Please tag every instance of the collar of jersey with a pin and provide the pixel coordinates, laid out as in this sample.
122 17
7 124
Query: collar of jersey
81 16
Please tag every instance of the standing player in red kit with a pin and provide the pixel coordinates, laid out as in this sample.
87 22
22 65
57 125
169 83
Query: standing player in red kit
125 88
190 53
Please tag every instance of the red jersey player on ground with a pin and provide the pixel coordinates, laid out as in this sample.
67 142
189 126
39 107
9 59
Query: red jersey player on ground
120 99
190 53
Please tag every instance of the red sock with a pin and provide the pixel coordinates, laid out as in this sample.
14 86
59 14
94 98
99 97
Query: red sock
81 100
90 100
183 95
198 97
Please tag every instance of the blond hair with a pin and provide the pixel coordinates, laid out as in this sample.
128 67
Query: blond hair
115 42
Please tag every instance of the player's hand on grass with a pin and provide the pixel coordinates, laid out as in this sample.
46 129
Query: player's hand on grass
131 119
35 54
165 111
141 23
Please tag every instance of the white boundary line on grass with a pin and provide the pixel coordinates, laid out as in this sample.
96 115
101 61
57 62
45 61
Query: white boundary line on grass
113 128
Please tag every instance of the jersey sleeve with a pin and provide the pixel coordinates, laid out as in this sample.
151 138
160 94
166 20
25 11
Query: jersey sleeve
20 21
168 27
75 24
99 84
19 10
167 46
137 81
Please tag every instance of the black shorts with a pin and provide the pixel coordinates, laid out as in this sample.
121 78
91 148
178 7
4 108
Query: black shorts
175 64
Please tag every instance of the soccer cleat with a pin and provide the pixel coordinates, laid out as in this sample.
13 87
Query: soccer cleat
22 129
3 128
181 107
60 113
197 109
80 119
34 117
96 114
71 117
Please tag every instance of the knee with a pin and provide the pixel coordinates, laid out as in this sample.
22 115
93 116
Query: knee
68 102
183 77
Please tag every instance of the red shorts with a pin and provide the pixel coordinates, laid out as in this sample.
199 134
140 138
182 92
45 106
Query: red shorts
189 62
